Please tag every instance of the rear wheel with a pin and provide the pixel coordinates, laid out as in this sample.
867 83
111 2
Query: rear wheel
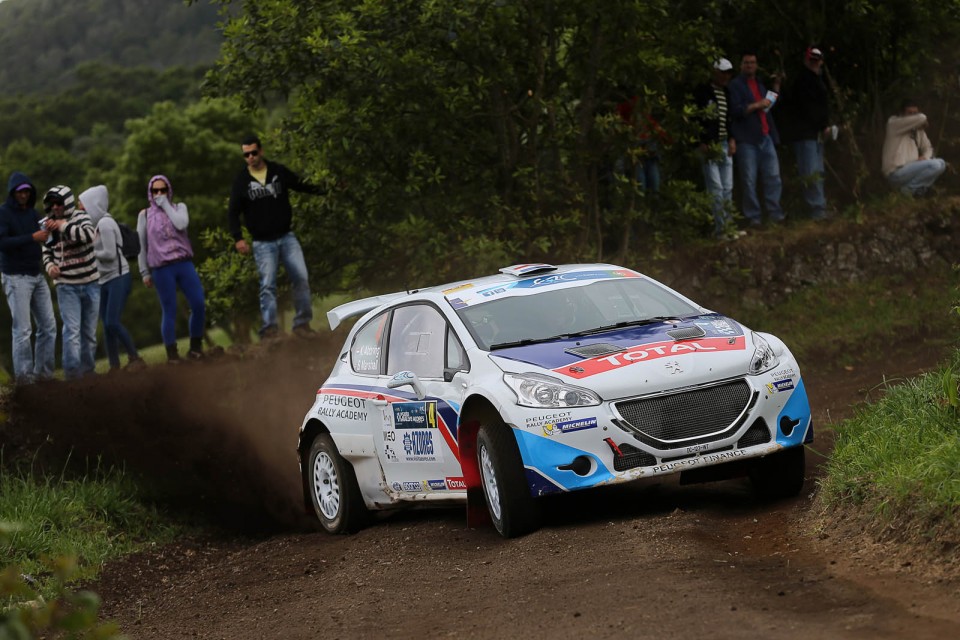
779 475
333 486
513 510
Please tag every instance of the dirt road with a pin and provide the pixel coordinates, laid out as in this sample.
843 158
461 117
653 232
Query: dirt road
631 561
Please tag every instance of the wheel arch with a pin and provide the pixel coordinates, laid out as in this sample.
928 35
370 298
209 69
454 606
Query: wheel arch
308 434
475 412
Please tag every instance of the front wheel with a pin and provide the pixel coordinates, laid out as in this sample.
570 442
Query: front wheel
334 492
513 510
779 475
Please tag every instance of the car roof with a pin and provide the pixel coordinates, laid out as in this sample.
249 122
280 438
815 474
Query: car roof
507 275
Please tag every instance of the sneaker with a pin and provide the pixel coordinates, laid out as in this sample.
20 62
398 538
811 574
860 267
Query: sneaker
304 331
269 333
135 364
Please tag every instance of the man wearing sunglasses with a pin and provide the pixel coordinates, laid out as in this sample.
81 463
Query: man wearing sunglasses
72 264
260 200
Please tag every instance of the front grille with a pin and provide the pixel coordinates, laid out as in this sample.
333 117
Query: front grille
702 415
758 433
632 458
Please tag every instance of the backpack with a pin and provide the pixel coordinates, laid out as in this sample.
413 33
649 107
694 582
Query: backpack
129 241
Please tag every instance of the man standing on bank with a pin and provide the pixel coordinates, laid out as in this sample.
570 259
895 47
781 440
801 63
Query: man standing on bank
260 194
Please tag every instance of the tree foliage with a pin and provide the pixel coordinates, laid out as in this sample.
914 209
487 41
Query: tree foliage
44 41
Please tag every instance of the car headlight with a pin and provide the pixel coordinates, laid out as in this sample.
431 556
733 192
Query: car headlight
535 390
764 357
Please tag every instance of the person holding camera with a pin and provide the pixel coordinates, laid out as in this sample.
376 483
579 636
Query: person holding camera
28 295
69 260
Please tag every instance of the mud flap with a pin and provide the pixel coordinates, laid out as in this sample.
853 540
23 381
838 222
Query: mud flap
477 513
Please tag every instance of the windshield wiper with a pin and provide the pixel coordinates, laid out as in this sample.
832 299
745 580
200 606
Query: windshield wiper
622 324
524 342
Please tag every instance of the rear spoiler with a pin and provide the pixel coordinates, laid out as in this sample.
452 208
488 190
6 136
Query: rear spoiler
359 307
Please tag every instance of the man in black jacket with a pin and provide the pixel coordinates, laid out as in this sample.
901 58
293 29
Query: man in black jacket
260 194
809 110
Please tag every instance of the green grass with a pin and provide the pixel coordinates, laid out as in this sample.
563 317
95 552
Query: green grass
901 455
841 323
93 518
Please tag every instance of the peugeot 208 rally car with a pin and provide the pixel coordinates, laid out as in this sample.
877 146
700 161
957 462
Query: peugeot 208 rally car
542 379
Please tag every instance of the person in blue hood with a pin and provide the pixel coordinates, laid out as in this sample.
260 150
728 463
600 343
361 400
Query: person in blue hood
28 295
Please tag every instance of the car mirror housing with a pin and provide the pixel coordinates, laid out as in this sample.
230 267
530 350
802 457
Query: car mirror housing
404 378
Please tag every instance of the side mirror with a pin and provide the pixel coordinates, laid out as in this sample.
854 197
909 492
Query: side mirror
404 378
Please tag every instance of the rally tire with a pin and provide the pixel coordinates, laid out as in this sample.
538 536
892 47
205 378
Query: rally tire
512 509
779 475
333 488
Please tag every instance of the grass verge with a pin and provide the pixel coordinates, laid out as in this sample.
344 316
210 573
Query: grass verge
92 518
899 457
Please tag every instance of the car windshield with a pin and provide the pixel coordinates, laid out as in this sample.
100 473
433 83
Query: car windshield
580 310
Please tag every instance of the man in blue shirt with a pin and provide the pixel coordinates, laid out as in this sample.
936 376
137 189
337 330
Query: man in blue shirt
756 134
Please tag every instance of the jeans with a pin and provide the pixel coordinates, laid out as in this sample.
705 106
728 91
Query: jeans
113 298
79 309
166 279
29 297
751 160
916 177
646 172
718 180
809 155
268 254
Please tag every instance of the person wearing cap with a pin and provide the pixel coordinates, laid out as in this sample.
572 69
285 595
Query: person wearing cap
28 295
807 112
908 161
715 146
755 131
70 261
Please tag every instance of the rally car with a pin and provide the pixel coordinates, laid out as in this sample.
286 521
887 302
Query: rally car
542 379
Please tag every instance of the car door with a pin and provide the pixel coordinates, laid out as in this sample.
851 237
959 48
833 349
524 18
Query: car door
419 435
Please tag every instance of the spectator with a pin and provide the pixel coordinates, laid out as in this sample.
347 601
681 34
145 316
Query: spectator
166 262
908 161
69 260
716 146
808 105
24 285
645 154
756 134
260 195
115 279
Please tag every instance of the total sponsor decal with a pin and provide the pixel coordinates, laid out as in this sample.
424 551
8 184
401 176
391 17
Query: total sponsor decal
780 385
341 406
418 446
456 484
699 460
651 351
436 485
414 415
551 429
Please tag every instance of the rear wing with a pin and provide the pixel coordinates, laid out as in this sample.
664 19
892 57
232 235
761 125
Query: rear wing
359 307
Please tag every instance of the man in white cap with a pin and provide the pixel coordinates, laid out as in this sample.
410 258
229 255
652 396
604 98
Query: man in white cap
715 146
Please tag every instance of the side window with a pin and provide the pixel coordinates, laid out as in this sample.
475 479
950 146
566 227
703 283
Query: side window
456 358
418 336
365 353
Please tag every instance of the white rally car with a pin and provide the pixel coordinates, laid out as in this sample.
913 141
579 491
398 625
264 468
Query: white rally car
544 379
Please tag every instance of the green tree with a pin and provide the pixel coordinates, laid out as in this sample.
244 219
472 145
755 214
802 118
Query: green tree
466 135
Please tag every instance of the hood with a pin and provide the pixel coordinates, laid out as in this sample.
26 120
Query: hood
17 179
169 189
638 360
96 202
64 193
